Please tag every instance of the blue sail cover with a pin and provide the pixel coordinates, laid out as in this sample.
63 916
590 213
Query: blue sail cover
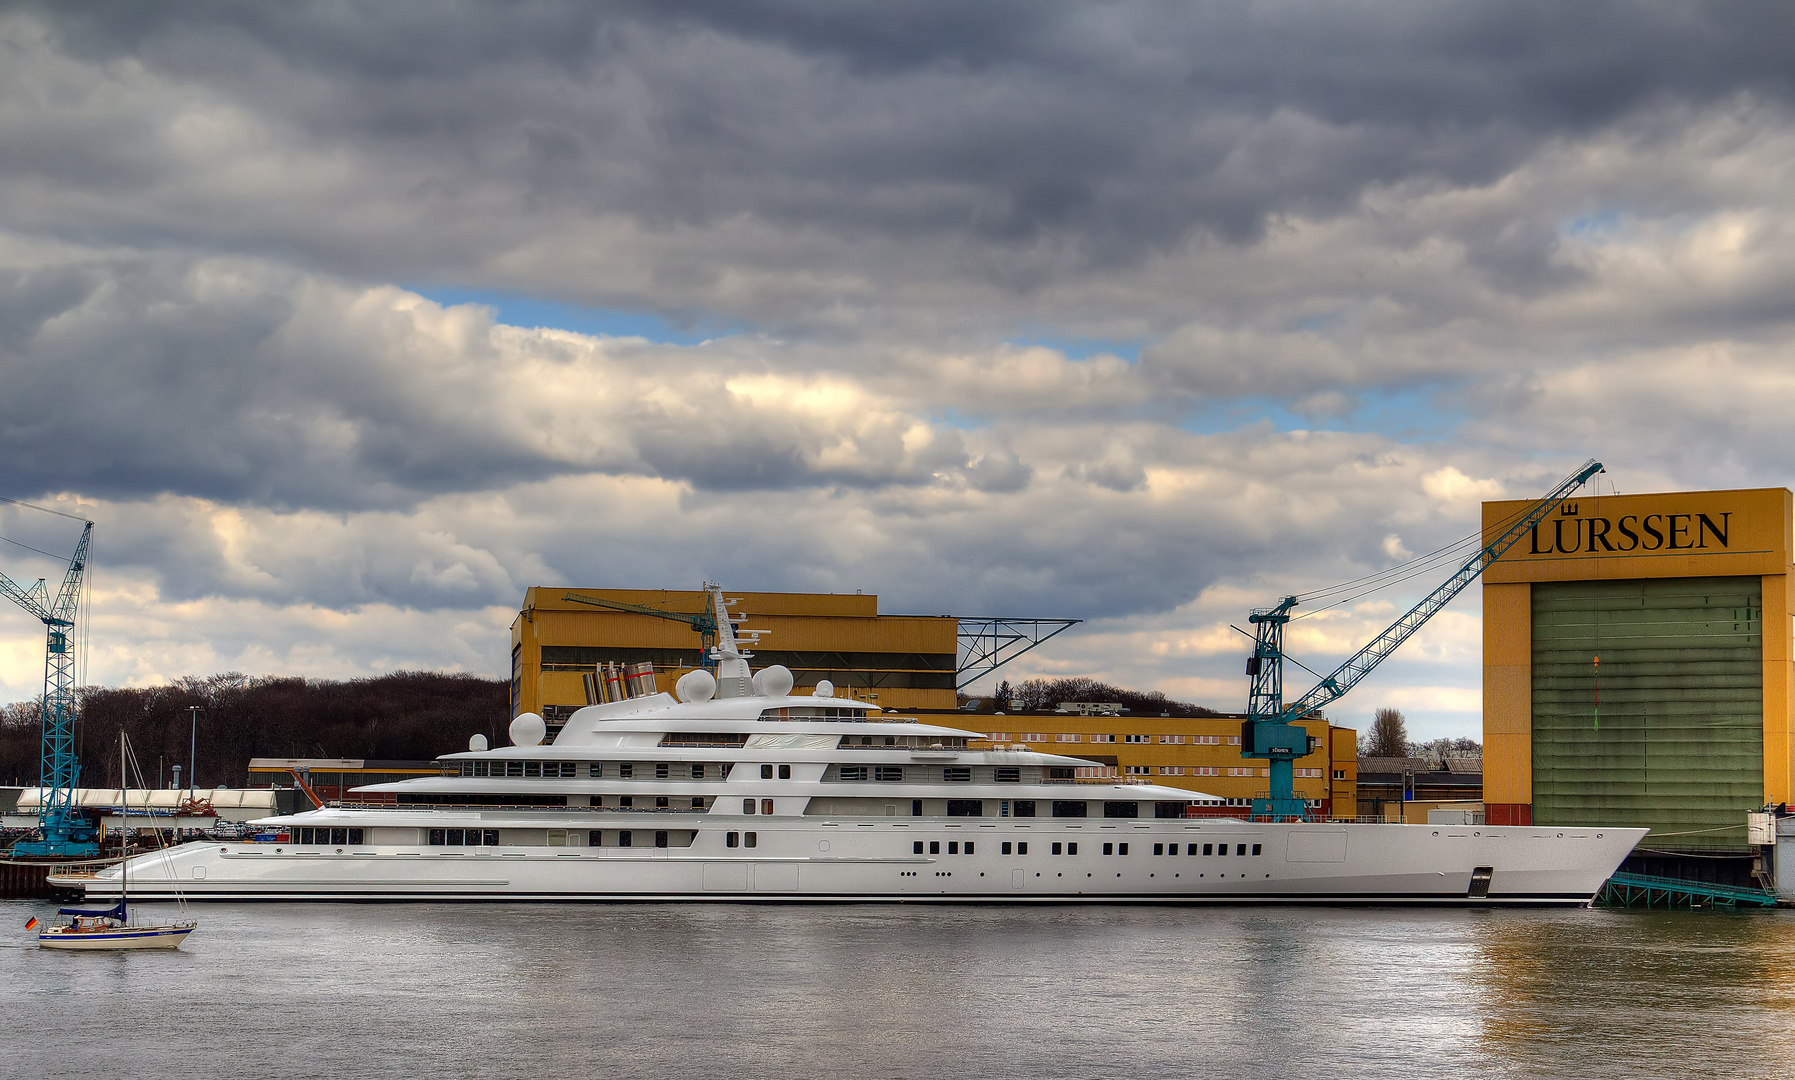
117 911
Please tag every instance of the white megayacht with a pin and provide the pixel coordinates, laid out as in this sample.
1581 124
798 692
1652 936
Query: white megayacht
737 790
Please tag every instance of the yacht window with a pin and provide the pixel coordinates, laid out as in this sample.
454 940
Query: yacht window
626 800
595 770
1072 847
766 806
1056 847
1208 849
467 768
1240 849
625 838
766 772
660 770
532 768
934 847
890 740
569 769
916 847
1159 849
915 807
660 802
957 772
341 836
454 839
723 769
888 773
1109 849
697 802
1068 809
867 740
1121 849
785 772
698 772
969 847
953 847
660 838
489 837
1221 849
1168 810
749 839
514 768
1255 847
1023 808
556 837
355 838
852 772
965 808
1022 847
1007 774
436 837
1006 847
1189 849
733 839
1121 809
626 769
747 806
482 768
595 838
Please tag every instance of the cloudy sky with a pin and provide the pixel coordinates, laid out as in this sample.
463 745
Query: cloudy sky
349 322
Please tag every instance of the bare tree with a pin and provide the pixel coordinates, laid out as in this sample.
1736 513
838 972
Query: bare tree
1389 735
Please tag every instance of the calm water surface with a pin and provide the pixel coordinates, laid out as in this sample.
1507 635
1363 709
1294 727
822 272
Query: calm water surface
900 991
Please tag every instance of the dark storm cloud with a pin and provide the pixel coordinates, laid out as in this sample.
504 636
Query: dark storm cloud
1105 132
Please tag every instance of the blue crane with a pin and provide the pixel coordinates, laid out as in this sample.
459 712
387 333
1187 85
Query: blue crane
1270 732
63 832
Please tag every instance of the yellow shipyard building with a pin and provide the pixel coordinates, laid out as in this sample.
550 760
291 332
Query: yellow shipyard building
1637 665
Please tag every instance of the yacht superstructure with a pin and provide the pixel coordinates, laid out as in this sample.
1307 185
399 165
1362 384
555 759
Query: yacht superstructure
738 789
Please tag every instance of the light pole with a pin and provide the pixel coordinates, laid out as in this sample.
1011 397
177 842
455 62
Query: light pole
192 746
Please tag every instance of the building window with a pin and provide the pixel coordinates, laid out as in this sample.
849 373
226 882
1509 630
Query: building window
852 772
747 806
1103 738
1207 740
1205 770
1233 740
785 772
766 806
934 847
953 847
888 773
1171 770
1134 738
1022 847
1023 808
1339 774
626 769
595 770
733 839
1308 772
1007 774
998 736
1064 737
916 847
1173 739
660 770
957 773
1005 848
965 808
624 839
750 839
1138 770
1068 809
766 772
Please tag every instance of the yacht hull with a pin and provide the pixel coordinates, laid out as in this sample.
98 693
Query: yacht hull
1170 861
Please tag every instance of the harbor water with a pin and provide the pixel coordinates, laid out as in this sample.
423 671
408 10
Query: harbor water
688 990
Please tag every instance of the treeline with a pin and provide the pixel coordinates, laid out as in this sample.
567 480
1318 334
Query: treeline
410 714
1047 694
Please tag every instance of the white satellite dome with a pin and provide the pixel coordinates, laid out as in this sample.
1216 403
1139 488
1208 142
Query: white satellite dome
476 742
694 686
775 680
527 729
824 688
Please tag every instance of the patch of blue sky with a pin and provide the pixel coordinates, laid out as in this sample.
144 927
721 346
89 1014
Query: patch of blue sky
1083 348
530 312
1597 225
1410 415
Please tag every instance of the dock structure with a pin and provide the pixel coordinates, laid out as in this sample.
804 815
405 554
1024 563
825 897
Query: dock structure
1625 890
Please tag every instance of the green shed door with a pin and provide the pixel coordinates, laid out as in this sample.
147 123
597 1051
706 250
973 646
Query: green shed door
1667 731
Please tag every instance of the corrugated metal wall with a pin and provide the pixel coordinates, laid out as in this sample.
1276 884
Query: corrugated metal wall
1668 730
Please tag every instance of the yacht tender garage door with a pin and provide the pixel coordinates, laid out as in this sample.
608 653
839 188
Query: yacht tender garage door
1648 705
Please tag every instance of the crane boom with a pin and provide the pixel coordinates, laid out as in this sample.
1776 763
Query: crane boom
1270 731
704 622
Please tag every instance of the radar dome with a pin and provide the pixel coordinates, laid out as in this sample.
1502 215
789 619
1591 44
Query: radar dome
527 730
694 686
476 742
773 681
824 688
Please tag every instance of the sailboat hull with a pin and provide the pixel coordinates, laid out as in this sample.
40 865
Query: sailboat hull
120 937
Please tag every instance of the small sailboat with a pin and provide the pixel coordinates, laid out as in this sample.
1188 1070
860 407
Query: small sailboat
112 928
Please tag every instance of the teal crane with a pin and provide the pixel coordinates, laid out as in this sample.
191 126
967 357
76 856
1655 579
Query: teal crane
1271 732
62 831
703 622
